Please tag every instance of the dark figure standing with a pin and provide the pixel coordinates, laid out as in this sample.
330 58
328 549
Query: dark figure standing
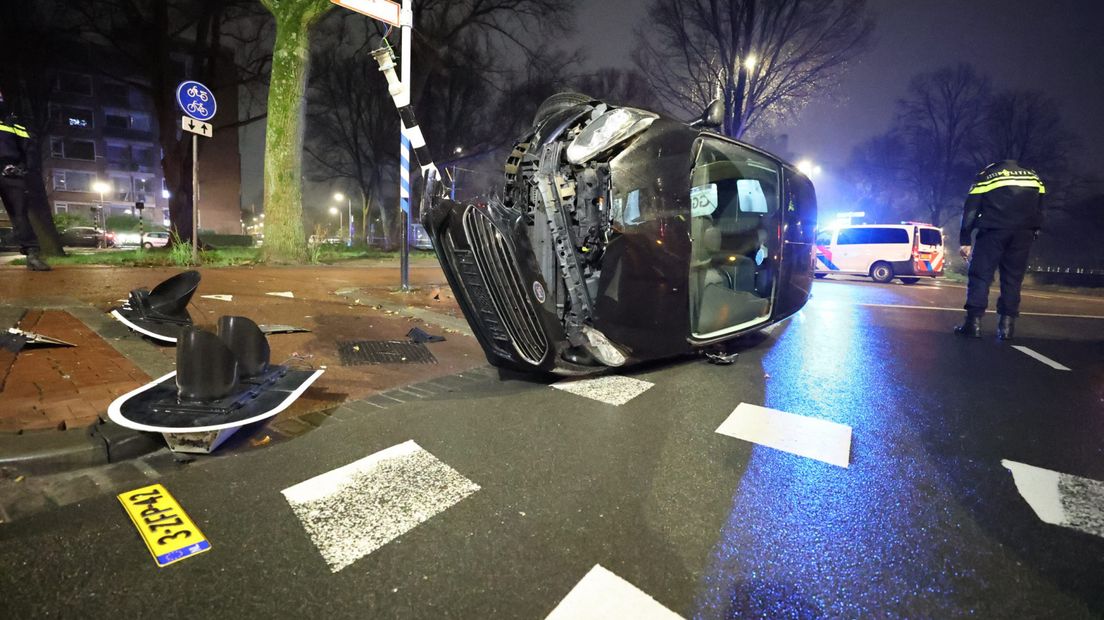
1004 213
13 185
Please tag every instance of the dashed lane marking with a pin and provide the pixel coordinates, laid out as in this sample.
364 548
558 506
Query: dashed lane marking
602 595
613 390
1061 499
1045 314
812 438
1039 356
354 510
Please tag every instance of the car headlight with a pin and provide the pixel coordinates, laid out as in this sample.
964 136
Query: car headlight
607 130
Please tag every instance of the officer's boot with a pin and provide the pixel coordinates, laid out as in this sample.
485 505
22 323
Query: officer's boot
35 262
970 328
1006 327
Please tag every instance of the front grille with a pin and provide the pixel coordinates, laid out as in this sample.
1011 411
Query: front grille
507 293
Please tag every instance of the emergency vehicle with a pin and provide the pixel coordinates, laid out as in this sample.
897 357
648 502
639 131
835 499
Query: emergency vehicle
906 251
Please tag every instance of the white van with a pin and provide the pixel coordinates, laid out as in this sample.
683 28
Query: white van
906 251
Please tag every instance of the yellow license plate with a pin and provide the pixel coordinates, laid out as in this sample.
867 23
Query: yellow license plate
166 529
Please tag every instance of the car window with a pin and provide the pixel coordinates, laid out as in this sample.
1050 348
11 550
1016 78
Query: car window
735 200
931 236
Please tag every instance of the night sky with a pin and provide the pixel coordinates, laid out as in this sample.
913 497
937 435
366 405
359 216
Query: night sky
1054 45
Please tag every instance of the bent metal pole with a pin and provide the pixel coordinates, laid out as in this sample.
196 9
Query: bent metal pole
411 138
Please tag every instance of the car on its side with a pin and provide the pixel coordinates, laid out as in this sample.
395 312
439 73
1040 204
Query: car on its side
907 251
623 236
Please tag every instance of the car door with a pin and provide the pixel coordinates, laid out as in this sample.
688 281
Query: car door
849 252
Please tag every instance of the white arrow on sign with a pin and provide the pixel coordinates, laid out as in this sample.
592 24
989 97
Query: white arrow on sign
383 10
197 127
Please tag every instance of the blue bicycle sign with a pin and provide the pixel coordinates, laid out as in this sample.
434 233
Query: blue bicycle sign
196 100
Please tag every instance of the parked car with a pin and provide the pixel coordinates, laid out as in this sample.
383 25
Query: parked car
156 239
906 251
84 236
605 252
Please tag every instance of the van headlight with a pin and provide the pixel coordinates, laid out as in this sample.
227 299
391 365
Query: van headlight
606 131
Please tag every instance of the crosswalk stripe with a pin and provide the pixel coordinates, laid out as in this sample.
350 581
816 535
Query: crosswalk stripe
613 390
812 438
1060 499
602 595
354 510
1039 356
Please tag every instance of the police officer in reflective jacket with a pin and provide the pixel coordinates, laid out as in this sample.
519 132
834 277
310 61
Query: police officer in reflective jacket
1001 219
14 140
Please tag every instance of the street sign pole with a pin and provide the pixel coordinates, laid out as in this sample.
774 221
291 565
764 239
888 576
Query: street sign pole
406 18
195 199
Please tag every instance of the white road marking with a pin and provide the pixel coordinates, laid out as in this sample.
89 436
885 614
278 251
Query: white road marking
287 294
1061 499
219 297
797 434
612 390
1046 314
1039 356
354 510
602 595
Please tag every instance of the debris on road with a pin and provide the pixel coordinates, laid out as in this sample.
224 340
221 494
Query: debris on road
219 297
417 334
287 294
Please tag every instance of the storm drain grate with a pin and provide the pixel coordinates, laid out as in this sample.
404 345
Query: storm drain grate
361 352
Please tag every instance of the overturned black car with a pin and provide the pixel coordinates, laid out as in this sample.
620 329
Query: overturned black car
624 236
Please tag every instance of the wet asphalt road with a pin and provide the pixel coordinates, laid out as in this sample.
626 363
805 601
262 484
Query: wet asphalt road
925 522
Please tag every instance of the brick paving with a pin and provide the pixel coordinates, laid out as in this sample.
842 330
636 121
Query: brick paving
63 387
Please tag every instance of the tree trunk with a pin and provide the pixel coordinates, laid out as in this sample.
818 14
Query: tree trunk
285 240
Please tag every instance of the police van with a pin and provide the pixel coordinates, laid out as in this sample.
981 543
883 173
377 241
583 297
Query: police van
906 251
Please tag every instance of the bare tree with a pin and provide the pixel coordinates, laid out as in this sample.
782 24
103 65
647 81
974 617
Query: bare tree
766 58
352 123
877 171
940 123
620 86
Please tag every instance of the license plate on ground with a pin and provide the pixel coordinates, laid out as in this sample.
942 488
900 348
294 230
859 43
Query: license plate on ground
164 526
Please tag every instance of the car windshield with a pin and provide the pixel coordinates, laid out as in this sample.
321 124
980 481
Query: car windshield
734 207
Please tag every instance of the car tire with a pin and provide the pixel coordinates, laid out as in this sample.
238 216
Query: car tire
909 280
558 102
820 276
881 272
147 246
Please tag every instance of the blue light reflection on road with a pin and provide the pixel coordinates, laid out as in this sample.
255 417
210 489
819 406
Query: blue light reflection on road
809 539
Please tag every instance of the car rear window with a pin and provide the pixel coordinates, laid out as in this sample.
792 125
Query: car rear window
859 236
931 236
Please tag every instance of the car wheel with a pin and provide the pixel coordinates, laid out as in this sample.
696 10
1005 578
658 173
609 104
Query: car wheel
819 275
882 272
909 280
147 245
557 102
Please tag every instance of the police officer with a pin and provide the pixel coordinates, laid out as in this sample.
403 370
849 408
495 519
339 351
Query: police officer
14 140
1001 219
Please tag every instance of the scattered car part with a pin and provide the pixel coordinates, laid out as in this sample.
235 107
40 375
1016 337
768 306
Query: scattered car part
162 313
419 335
16 339
223 381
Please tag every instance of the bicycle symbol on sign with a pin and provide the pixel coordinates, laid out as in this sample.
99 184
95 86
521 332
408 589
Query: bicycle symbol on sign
198 107
195 92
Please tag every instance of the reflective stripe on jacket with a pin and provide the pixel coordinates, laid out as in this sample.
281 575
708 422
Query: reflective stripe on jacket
1004 195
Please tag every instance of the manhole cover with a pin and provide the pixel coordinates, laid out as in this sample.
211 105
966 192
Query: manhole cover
360 352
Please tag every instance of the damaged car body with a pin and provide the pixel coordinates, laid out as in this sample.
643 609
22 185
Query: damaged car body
623 236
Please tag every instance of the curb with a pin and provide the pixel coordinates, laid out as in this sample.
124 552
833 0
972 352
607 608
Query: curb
50 452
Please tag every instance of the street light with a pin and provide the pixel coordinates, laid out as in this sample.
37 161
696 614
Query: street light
339 197
337 212
808 168
749 62
102 188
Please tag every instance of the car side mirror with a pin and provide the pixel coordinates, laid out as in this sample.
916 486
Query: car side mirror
713 116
